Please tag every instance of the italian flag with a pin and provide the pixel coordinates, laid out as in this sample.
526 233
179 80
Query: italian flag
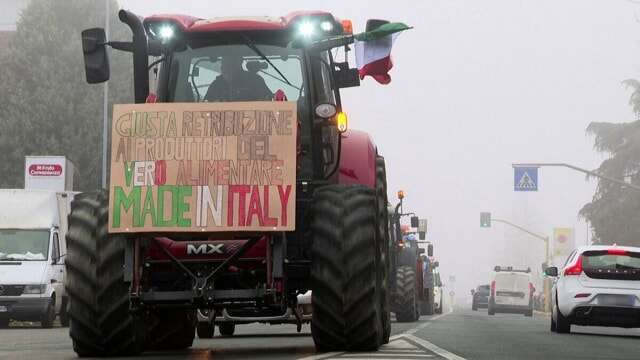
373 51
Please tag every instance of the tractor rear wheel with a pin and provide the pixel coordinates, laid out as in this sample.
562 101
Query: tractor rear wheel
346 294
171 329
100 321
383 238
406 298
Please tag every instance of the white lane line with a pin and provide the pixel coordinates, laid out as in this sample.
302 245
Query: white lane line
438 350
398 344
322 356
377 356
368 358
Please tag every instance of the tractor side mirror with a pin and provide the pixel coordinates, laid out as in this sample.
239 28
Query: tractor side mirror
415 222
422 228
96 60
551 271
430 250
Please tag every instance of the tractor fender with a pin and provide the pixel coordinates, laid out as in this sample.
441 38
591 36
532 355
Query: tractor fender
357 159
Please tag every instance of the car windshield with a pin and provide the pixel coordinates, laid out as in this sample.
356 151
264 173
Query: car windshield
483 289
596 261
24 245
236 73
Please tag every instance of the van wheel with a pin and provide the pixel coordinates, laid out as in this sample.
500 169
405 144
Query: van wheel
49 316
227 328
205 330
64 312
4 323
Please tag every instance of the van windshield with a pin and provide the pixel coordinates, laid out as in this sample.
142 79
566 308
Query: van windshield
24 245
512 281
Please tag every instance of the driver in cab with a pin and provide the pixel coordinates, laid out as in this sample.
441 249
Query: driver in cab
236 84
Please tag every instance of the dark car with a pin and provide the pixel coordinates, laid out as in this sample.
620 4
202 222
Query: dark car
480 297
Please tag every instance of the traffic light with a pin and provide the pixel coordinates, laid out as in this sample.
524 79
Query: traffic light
485 219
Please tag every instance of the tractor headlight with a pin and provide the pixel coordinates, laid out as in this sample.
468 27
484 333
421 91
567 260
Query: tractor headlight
306 29
166 32
326 26
34 289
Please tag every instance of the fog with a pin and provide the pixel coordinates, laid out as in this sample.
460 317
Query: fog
478 85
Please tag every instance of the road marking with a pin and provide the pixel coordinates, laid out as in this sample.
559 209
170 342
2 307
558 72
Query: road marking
401 346
378 356
438 350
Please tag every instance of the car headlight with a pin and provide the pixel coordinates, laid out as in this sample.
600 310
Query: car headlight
35 289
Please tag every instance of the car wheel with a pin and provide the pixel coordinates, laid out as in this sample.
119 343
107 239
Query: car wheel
553 324
563 325
474 306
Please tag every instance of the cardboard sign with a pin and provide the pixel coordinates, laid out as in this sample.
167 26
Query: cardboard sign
203 167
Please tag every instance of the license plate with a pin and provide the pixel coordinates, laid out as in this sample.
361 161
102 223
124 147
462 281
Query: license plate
3 309
616 300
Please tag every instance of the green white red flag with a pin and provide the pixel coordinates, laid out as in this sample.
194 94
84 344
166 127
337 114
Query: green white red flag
373 51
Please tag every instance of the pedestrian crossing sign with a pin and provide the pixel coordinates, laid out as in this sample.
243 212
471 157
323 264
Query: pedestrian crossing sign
525 178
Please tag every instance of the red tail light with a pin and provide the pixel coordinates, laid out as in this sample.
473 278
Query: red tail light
493 288
582 295
575 269
616 252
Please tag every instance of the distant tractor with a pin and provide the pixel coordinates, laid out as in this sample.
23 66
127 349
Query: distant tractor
411 277
143 286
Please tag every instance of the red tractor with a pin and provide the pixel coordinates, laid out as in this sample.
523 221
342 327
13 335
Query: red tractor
133 291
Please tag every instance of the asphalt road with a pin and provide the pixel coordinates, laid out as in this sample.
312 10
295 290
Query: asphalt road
462 334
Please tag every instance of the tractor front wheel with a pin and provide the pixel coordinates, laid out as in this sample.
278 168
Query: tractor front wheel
100 321
345 284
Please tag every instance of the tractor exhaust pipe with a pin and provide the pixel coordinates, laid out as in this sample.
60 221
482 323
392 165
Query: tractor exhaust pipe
140 55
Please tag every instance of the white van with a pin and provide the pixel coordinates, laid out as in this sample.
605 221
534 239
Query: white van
511 291
33 225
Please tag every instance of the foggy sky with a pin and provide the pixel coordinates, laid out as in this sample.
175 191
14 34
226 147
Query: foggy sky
478 85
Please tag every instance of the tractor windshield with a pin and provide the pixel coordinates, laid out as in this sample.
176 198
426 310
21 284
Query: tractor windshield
236 73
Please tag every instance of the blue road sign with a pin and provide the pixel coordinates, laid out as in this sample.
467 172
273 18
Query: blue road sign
525 178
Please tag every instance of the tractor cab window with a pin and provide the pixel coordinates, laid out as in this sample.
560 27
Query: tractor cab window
236 73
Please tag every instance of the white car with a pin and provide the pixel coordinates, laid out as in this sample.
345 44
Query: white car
598 285
511 291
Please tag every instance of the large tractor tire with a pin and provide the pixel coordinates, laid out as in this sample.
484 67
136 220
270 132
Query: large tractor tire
406 297
383 239
171 329
100 321
345 297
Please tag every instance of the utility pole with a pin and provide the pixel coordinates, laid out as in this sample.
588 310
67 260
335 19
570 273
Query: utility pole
545 281
105 106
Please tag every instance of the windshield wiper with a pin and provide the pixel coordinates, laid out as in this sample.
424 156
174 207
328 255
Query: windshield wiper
255 49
